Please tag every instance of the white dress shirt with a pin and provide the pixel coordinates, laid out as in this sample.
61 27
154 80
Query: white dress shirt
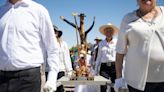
143 50
27 38
64 57
106 52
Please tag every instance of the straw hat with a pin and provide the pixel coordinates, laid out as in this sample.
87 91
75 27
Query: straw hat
97 38
109 25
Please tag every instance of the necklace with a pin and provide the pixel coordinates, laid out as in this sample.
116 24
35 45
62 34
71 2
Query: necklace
146 21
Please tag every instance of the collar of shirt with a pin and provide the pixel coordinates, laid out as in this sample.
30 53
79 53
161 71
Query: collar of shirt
111 43
23 3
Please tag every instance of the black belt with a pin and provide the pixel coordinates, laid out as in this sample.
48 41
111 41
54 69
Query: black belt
24 71
108 63
20 70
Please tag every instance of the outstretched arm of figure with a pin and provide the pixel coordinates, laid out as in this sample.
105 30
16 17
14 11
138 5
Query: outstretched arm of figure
86 32
70 23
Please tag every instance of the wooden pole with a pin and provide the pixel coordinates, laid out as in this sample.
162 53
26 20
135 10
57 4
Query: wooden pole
74 15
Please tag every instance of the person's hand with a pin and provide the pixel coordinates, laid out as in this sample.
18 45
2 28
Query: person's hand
62 17
120 82
48 88
69 74
95 73
58 84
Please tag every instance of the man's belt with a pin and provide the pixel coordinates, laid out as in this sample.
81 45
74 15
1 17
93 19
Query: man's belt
108 63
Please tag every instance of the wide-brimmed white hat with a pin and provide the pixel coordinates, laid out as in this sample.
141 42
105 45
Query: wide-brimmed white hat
97 38
109 25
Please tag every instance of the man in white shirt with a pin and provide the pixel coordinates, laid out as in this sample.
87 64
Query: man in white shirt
27 40
106 54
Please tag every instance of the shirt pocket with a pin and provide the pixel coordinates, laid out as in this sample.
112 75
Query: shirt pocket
104 51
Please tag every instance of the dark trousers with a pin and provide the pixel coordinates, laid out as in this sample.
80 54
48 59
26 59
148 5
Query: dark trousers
28 80
61 87
109 72
150 87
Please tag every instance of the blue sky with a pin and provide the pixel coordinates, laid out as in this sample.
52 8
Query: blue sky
105 11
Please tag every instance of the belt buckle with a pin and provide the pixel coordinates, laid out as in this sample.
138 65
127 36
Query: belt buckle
109 64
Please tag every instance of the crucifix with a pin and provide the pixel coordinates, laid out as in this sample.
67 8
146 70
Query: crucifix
83 34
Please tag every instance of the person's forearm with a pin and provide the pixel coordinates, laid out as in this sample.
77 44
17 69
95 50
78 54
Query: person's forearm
119 64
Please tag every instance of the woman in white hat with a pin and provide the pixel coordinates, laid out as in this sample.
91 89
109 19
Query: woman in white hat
141 44
65 65
105 62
